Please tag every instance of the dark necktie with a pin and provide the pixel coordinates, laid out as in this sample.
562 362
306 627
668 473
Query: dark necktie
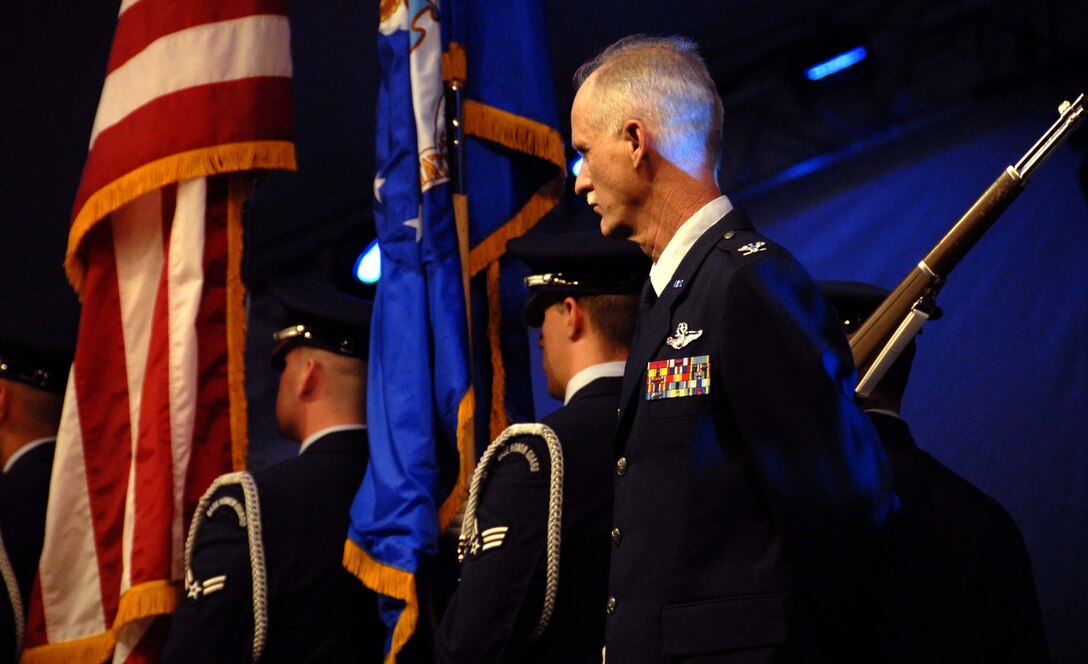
649 297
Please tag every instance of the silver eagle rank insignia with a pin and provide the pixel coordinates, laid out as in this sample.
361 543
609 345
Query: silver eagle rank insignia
752 247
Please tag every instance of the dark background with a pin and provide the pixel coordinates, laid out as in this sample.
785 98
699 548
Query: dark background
859 175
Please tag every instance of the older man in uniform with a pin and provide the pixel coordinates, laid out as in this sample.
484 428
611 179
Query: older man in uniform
747 480
263 574
956 584
584 298
33 376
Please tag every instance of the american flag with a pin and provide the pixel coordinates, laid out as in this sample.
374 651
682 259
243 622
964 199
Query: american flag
195 93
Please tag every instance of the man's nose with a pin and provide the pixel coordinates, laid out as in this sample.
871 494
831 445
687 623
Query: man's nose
582 183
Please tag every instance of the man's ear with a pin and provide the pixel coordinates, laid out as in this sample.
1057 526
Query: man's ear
309 378
5 401
575 318
634 134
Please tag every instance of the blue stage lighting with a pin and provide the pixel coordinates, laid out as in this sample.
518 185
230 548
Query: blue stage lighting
576 165
836 64
368 267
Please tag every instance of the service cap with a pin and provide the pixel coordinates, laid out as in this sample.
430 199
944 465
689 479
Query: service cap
321 317
573 264
42 362
855 301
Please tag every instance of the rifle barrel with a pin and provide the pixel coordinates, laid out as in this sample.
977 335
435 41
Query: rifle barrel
925 280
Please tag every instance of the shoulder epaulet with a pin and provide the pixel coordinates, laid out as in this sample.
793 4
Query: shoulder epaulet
249 518
470 537
742 242
7 572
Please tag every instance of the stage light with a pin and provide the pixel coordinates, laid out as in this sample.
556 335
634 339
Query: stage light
836 64
368 267
576 165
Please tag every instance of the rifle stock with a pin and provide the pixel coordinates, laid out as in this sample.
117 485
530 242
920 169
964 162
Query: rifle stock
884 334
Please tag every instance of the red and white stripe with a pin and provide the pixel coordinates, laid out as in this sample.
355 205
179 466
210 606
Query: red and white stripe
186 76
146 422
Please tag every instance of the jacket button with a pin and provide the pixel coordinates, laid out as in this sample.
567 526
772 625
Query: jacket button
729 235
616 536
621 466
611 605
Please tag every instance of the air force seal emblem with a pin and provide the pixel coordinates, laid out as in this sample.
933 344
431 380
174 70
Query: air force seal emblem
682 337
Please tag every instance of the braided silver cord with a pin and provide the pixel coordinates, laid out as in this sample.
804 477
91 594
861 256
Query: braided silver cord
252 524
16 597
470 528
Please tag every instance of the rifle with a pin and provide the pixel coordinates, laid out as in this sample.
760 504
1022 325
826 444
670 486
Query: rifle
888 331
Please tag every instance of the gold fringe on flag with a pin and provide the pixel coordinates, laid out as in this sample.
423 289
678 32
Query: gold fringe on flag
491 249
161 172
499 419
236 323
466 448
154 598
97 648
526 136
454 67
390 581
513 131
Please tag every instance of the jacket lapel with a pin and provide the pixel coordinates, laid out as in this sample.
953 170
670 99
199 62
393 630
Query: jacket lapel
653 326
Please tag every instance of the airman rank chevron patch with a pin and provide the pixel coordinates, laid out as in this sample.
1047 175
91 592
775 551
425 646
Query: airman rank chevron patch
493 537
195 588
679 377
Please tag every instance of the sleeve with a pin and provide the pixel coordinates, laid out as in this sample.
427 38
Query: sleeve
214 619
500 595
1004 617
790 379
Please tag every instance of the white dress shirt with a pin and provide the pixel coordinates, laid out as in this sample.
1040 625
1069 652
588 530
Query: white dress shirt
22 451
691 230
333 429
590 374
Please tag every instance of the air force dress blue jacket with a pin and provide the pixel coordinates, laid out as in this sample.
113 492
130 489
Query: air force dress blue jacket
746 480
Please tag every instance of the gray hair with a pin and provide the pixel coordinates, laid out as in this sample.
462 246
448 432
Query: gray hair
665 83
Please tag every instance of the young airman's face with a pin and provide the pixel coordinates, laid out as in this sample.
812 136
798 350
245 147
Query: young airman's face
552 343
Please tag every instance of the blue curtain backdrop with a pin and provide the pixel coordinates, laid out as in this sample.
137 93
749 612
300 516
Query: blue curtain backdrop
999 390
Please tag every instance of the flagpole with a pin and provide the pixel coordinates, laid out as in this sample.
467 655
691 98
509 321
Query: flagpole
454 73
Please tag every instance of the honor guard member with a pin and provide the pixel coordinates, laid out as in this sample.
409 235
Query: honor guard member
536 538
264 579
958 585
33 376
746 480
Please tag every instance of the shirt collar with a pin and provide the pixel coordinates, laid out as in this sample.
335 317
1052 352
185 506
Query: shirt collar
333 429
590 374
24 450
690 231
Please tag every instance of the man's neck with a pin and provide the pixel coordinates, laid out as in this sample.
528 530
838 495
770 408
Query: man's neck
320 433
591 373
677 197
10 458
10 442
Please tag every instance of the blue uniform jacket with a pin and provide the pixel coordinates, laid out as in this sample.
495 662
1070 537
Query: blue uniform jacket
500 596
958 585
317 611
746 480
